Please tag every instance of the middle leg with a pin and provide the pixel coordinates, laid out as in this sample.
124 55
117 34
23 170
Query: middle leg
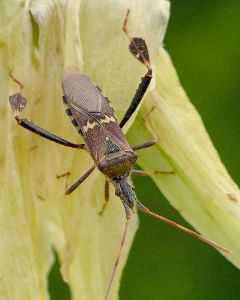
135 172
149 127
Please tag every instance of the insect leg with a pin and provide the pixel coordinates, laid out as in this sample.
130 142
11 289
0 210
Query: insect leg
18 102
149 173
140 173
139 50
80 180
106 196
144 145
149 127
136 99
17 81
66 174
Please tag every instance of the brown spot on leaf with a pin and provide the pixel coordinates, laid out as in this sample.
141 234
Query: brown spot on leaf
232 198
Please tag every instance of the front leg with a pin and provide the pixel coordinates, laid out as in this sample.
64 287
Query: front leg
79 181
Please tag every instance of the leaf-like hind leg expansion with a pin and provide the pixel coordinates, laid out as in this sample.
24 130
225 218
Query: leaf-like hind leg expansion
139 50
18 103
80 180
106 196
138 46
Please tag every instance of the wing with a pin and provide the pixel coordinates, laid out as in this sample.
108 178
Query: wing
81 92
91 114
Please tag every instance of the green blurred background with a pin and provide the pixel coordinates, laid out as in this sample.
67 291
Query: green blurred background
203 39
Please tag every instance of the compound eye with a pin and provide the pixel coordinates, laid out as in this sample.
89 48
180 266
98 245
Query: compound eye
116 178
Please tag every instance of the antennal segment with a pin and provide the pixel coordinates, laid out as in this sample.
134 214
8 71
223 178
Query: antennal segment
174 224
118 257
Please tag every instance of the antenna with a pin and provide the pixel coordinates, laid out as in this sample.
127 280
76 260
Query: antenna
118 258
174 224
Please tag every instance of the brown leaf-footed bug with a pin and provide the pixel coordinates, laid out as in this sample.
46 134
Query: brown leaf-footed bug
94 119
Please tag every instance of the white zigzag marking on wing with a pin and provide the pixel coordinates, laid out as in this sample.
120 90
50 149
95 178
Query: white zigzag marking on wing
91 125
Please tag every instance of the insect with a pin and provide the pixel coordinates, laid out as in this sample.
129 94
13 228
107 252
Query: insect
94 119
